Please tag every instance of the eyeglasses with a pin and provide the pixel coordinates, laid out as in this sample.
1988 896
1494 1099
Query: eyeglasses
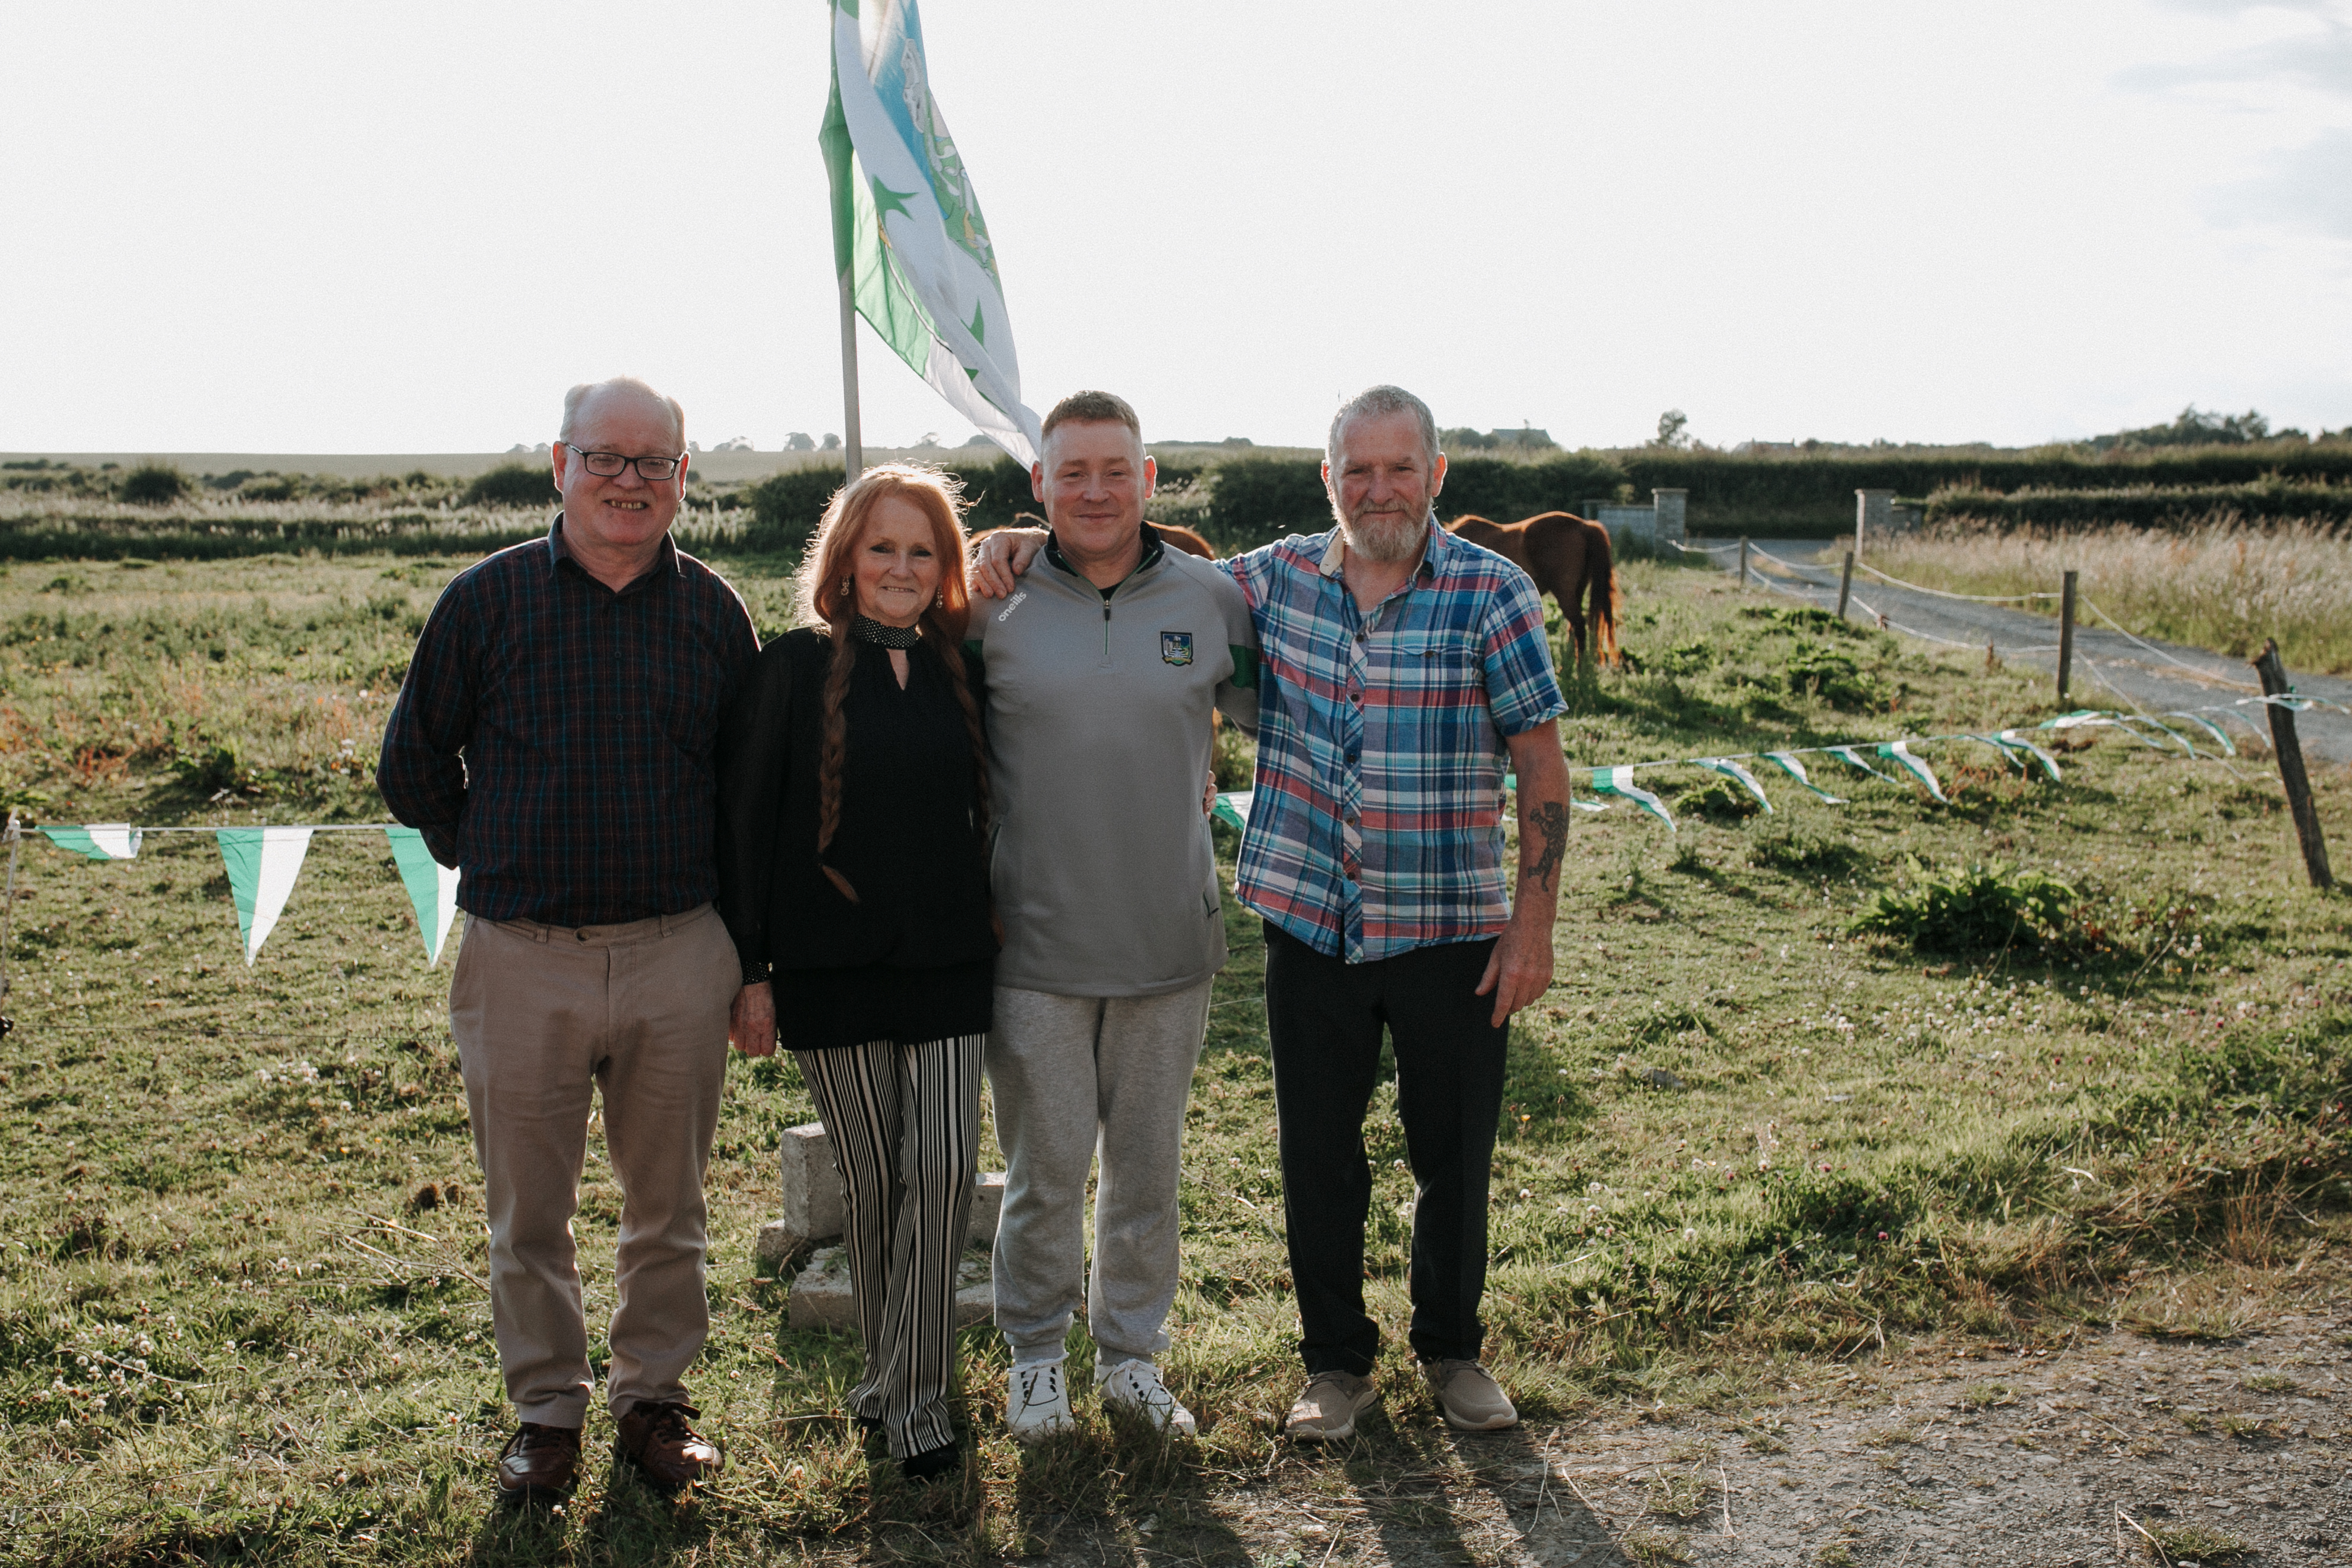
606 465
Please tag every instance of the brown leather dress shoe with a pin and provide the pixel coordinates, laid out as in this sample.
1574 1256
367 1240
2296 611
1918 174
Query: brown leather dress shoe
660 1438
539 1462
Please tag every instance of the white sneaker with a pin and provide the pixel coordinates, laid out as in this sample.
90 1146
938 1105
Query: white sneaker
1135 1386
1037 1404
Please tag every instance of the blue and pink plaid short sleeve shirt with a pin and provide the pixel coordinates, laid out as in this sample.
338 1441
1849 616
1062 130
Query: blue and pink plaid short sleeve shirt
1377 822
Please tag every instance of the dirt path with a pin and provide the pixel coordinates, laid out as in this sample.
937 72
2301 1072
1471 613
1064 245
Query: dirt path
1987 1455
2110 670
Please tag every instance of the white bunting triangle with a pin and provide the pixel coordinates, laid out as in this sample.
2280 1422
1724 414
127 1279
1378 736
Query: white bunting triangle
262 863
98 840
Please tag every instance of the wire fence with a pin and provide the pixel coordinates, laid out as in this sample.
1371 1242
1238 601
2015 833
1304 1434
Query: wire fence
2202 673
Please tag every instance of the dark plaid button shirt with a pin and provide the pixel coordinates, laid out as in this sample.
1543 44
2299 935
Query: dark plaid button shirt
554 739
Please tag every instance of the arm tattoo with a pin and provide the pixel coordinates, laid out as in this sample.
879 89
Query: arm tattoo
1550 819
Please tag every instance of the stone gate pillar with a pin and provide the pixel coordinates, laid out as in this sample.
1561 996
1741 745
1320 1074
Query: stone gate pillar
1874 513
1670 505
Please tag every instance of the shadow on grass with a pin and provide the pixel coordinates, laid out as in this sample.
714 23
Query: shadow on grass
1125 1490
1550 1522
1411 1479
629 1522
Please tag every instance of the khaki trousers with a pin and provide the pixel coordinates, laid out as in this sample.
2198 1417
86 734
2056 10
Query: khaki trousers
544 1016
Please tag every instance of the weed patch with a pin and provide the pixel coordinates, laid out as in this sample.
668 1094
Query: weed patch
1977 909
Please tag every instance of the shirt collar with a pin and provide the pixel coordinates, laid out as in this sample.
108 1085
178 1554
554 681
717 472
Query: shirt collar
1152 551
1439 543
558 552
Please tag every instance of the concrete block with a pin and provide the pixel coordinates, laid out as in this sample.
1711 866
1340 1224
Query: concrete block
812 1208
822 1297
987 1208
775 1244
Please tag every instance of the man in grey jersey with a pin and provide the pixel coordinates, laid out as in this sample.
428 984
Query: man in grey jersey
1101 672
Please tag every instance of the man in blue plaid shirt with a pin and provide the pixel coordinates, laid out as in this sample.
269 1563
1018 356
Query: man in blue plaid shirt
1401 670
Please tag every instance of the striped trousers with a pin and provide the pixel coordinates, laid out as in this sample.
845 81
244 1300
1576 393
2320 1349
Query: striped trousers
905 1125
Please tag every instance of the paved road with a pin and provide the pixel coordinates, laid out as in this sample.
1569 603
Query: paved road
2110 669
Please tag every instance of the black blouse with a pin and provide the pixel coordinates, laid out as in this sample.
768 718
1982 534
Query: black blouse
912 958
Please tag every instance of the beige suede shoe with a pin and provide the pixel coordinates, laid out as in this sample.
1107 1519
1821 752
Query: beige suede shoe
1473 1401
1325 1410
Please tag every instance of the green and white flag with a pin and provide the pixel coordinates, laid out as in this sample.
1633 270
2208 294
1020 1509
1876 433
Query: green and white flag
1899 753
98 840
1851 755
1619 781
432 889
907 224
262 863
2015 741
1788 763
2210 728
1738 775
1234 809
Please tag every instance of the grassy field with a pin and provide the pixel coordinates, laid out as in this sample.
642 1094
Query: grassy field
240 1316
2225 586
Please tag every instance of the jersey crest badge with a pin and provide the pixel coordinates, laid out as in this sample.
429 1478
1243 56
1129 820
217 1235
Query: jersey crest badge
1176 648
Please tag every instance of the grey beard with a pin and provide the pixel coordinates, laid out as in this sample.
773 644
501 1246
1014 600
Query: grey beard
1385 541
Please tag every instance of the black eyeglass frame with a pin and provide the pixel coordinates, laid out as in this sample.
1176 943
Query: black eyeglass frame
588 461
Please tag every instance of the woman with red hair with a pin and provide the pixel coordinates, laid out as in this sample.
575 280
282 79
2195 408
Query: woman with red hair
852 834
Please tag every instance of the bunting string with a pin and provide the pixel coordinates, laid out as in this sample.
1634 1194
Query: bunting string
263 863
1616 782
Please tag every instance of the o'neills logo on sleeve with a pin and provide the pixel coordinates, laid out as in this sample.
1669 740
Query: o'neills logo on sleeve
1011 605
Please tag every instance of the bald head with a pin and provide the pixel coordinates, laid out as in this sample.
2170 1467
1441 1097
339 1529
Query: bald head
620 391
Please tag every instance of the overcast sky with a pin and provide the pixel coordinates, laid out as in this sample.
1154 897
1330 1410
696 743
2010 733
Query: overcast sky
404 228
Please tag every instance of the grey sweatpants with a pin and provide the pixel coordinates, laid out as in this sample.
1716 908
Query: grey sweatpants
1071 1077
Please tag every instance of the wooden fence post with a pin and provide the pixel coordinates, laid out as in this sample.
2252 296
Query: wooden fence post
1743 560
2066 635
2291 773
1845 584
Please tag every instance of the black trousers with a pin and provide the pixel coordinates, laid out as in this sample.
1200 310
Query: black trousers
1325 1017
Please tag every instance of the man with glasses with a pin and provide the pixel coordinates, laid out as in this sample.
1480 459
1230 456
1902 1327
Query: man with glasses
553 741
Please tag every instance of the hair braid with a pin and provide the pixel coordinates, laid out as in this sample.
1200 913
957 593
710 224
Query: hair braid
834 751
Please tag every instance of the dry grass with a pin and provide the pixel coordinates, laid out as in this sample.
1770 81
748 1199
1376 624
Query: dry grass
2225 585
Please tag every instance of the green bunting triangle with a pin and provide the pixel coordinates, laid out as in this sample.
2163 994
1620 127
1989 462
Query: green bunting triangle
432 889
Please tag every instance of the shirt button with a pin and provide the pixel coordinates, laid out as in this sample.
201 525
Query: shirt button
1352 759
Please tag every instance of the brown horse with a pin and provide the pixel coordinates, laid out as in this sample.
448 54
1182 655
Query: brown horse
1565 555
1185 540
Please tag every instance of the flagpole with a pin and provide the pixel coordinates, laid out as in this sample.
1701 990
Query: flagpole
853 445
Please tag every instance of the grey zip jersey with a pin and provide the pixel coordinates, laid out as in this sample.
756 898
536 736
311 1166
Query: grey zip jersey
1098 737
